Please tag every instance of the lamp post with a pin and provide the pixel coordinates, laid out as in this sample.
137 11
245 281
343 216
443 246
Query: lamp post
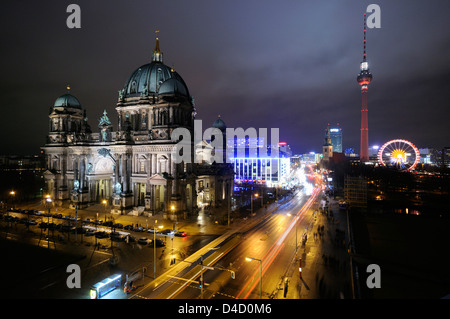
104 202
172 260
49 203
154 247
12 193
260 273
251 202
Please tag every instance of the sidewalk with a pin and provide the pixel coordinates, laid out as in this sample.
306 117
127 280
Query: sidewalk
324 258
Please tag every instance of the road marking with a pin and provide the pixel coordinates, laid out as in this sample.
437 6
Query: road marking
191 279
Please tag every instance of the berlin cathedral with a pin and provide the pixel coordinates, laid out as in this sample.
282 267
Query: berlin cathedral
133 167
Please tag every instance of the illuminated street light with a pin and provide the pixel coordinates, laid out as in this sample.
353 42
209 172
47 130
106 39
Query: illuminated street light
48 199
104 202
12 193
251 203
260 274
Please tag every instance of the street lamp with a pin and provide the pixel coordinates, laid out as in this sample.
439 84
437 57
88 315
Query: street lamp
49 203
260 273
154 247
12 193
251 202
104 202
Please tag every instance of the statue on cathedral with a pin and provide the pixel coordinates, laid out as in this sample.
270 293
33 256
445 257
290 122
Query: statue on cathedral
117 188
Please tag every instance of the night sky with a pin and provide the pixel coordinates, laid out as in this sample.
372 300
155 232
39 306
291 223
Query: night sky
285 64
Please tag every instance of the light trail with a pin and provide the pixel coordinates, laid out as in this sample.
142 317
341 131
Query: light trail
192 279
278 244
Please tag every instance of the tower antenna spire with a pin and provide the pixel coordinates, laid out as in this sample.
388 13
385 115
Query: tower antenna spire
365 41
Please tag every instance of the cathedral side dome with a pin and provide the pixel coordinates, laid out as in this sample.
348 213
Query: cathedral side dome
67 100
220 124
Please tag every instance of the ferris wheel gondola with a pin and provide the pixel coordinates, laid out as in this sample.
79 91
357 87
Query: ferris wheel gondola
400 154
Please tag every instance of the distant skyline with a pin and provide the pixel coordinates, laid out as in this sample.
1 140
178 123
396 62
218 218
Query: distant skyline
285 64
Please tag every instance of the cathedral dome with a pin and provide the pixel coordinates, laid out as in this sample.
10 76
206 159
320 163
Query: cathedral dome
220 124
154 78
67 100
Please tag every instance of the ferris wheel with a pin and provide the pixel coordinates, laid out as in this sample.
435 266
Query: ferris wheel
399 153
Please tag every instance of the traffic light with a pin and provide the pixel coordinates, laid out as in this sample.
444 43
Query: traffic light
201 282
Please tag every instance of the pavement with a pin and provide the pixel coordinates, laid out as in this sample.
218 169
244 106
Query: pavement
324 258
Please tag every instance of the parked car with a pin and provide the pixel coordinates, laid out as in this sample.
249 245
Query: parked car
119 226
87 220
89 232
98 222
143 241
81 230
115 236
108 223
43 225
101 234
58 216
130 239
128 227
158 242
31 222
138 229
51 226
152 230
67 228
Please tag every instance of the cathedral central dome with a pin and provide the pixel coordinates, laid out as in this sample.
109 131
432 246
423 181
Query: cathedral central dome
154 78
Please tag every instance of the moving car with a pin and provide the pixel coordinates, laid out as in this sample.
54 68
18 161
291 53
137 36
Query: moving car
168 232
180 234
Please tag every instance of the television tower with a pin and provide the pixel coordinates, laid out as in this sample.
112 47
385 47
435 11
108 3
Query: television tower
364 78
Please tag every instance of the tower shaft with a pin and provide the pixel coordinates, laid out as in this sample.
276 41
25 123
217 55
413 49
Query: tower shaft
364 152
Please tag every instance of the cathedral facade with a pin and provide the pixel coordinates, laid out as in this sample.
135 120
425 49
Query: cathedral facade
133 168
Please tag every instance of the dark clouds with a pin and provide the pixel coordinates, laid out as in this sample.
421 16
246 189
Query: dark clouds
287 64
